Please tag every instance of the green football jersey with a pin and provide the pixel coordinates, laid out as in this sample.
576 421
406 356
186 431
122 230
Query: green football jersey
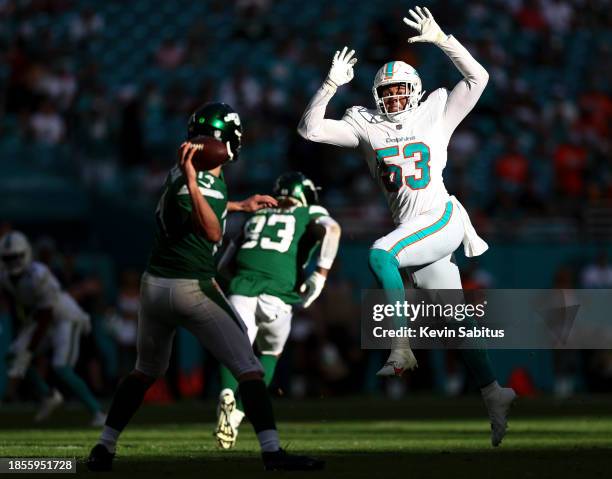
268 257
178 250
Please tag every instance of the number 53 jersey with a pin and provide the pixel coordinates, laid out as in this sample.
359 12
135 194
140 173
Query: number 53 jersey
406 158
275 247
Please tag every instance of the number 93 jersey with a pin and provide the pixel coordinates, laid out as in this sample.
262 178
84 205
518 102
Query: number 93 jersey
271 250
406 158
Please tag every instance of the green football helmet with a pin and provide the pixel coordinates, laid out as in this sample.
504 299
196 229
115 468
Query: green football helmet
220 121
298 187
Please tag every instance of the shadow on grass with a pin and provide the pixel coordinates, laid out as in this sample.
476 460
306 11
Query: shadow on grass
494 463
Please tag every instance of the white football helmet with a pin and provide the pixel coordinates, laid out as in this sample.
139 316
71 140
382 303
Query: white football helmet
397 72
15 252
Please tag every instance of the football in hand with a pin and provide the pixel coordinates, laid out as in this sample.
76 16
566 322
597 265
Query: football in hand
210 153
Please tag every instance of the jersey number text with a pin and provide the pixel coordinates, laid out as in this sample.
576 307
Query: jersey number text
392 175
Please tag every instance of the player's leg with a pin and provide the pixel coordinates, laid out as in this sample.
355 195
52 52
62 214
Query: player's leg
207 313
268 321
274 319
444 275
422 240
155 334
50 399
245 307
229 407
65 342
20 360
385 268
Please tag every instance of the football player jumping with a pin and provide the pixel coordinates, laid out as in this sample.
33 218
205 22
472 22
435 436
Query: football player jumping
276 245
404 141
179 289
51 320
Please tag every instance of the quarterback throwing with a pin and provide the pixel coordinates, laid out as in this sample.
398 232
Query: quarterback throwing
404 142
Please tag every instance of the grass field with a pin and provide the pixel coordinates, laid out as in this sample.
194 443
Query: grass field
419 437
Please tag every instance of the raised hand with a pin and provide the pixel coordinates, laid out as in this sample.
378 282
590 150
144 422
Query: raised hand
341 71
185 157
424 23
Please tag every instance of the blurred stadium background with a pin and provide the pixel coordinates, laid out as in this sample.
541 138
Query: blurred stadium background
94 99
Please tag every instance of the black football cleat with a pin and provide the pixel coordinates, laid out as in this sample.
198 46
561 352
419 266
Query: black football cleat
281 460
100 460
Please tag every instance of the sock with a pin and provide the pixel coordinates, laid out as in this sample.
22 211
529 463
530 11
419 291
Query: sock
108 438
67 375
268 361
385 268
127 400
227 379
477 361
41 388
257 405
268 440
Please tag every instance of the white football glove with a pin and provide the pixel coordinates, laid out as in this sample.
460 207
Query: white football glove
311 288
341 71
425 24
20 365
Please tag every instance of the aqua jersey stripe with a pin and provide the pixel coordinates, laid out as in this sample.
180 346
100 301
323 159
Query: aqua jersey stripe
389 70
423 233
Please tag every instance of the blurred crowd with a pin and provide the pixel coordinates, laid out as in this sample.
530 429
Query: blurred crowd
94 84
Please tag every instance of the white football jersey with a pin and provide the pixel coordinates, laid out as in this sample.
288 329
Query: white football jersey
37 288
407 158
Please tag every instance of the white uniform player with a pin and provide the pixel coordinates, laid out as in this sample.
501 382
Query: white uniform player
404 142
38 289
50 320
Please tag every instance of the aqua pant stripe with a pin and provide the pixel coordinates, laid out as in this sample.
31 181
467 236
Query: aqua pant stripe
425 232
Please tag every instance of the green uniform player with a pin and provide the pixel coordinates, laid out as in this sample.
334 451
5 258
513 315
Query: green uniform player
178 250
277 245
179 289
269 258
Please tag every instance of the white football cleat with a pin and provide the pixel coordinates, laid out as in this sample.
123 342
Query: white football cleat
48 405
498 404
400 360
228 420
98 420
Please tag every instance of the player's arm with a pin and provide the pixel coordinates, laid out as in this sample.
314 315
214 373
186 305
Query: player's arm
202 214
43 318
313 125
252 204
326 231
23 356
466 93
46 290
